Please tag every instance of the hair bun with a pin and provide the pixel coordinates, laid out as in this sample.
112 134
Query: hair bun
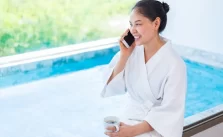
165 6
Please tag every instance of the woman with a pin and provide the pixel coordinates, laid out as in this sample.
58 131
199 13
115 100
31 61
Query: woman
152 73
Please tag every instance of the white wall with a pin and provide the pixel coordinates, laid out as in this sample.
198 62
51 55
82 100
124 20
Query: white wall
196 23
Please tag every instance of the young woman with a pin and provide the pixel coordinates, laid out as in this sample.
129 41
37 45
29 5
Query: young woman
152 73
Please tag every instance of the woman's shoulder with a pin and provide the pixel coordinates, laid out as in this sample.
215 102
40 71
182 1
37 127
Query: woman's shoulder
174 59
170 56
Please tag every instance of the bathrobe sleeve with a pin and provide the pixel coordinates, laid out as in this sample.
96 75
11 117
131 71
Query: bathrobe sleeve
117 85
168 118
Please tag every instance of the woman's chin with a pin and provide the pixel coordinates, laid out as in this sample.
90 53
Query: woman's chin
138 43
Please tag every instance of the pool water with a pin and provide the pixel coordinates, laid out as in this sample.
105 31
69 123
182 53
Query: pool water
205 88
64 100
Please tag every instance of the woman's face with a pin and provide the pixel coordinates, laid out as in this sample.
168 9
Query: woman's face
142 28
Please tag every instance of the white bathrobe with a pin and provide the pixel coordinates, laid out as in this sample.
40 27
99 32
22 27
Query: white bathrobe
157 89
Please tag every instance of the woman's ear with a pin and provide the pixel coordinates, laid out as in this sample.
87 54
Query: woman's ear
156 23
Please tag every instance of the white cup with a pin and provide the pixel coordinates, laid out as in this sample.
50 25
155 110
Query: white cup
111 121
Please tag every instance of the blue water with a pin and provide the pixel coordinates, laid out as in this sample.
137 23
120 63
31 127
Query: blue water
205 83
205 88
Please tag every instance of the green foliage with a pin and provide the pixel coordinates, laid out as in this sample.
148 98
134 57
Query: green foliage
28 25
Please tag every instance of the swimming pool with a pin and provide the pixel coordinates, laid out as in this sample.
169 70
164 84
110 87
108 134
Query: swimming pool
64 99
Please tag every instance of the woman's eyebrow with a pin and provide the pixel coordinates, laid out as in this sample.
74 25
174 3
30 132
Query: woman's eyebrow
135 21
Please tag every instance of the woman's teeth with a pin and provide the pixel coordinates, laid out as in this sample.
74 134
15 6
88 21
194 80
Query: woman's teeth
136 37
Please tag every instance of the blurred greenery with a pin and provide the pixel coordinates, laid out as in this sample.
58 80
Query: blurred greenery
29 25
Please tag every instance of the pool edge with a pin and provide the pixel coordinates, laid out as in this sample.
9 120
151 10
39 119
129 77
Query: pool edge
46 58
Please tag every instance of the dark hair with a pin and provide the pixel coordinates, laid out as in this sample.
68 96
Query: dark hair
153 9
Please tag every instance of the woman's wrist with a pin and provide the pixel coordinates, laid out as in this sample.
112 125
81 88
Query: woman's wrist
140 128
134 131
122 61
124 57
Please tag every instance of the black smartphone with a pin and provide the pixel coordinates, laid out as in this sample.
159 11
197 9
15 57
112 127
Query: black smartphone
128 40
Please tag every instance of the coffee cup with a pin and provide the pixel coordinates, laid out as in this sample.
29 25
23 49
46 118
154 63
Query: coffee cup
111 121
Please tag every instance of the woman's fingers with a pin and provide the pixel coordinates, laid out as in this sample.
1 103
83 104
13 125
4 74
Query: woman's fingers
111 134
112 128
133 45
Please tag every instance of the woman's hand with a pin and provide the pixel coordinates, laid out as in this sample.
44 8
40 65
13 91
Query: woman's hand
124 51
123 57
124 131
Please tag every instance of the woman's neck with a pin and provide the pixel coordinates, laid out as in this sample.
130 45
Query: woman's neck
152 47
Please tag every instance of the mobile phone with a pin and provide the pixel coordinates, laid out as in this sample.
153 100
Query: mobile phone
128 40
